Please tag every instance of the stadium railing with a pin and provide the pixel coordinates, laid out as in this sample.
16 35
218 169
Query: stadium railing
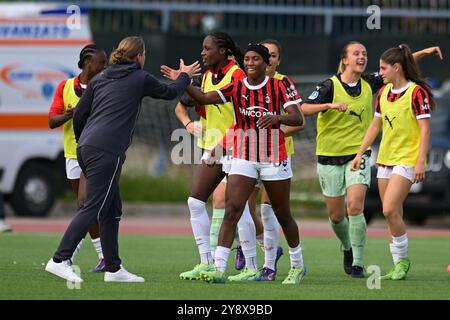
301 17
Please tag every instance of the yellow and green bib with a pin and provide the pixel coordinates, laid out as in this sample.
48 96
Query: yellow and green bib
69 97
401 132
341 133
219 118
289 141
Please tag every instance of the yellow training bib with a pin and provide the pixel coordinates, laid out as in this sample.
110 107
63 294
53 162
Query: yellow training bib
69 97
288 140
401 133
219 118
341 133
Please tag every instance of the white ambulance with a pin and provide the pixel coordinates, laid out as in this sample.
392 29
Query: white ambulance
39 47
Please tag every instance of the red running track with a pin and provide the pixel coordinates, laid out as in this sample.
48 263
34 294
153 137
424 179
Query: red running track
170 225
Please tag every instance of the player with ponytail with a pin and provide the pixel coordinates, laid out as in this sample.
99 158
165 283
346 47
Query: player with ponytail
402 110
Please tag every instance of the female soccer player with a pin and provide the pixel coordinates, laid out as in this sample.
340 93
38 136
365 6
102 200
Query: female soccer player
344 107
92 61
259 152
214 123
267 234
402 110
104 122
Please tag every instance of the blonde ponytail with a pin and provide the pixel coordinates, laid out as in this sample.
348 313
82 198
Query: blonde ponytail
341 67
127 51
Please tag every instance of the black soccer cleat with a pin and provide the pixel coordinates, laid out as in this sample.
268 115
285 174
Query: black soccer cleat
357 272
348 261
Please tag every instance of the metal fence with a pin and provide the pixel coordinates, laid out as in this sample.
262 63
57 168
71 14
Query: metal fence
300 17
287 17
269 17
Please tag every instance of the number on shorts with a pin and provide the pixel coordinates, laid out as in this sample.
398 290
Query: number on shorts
362 166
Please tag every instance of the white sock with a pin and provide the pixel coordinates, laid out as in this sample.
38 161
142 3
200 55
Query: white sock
98 247
76 250
296 256
399 248
221 258
271 235
247 238
200 228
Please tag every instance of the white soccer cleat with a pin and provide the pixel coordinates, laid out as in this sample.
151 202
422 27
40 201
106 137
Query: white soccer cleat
4 227
122 275
63 270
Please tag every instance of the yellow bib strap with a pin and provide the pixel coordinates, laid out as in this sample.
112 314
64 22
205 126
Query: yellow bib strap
70 98
288 140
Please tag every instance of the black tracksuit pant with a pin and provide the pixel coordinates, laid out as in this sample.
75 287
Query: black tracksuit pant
102 204
2 207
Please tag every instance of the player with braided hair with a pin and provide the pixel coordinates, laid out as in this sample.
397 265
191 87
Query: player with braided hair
259 152
220 55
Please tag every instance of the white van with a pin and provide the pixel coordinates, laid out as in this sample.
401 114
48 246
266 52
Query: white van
39 47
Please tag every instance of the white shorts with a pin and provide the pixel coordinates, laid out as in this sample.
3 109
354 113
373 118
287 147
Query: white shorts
262 171
404 171
73 169
224 160
226 163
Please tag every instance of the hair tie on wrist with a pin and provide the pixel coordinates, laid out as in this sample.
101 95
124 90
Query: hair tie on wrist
188 123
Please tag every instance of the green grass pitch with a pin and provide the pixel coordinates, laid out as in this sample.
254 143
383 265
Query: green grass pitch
160 259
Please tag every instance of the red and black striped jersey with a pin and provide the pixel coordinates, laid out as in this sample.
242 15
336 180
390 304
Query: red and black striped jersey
420 101
288 83
250 104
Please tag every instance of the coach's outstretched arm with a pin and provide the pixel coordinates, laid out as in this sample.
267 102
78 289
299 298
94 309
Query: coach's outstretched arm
159 90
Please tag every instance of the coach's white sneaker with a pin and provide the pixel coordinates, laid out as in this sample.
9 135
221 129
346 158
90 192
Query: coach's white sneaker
122 275
4 227
63 270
